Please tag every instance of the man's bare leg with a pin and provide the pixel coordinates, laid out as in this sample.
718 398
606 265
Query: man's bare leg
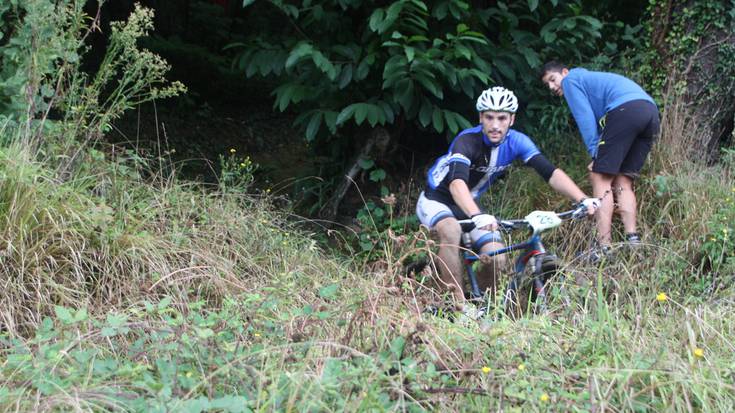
491 269
450 264
622 185
602 188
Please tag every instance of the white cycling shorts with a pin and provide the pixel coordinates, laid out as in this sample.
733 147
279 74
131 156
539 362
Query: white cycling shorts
430 212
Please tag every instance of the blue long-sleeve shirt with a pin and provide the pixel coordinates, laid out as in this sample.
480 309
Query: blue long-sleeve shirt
591 95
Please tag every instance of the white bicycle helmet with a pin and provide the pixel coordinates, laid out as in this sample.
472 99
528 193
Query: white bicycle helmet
497 99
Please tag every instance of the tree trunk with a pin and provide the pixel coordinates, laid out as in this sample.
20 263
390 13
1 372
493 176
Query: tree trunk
705 32
375 146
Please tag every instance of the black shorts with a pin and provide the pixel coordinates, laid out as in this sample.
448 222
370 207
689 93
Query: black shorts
626 140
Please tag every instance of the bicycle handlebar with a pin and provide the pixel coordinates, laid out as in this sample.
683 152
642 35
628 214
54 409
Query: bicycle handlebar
508 225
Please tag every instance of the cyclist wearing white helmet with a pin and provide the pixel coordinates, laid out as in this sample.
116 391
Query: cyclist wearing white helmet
477 157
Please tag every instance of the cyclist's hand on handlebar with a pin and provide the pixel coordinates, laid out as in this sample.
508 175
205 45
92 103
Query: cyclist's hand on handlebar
592 204
485 221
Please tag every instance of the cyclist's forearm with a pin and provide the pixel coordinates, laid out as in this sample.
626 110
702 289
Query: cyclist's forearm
563 184
463 198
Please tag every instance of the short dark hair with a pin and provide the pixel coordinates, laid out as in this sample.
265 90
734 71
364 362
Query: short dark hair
552 66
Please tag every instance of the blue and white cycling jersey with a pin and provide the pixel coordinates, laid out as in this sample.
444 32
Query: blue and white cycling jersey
473 158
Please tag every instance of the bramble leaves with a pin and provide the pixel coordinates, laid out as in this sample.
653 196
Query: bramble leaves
408 61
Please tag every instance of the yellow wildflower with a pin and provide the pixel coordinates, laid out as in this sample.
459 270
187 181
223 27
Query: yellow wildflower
256 334
232 150
544 398
661 297
698 353
521 366
486 369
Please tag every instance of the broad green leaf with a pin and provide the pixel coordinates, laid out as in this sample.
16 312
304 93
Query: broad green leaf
410 53
457 9
313 127
361 110
329 291
505 69
330 118
108 332
63 314
467 84
374 115
419 24
366 163
593 22
351 51
405 95
438 120
387 110
377 175
204 333
378 212
345 76
441 10
323 64
462 122
291 10
421 5
532 4
376 19
297 53
345 114
451 122
425 113
283 96
198 405
531 57
81 314
362 70
230 404
394 10
430 85
463 51
417 38
116 320
163 304
397 346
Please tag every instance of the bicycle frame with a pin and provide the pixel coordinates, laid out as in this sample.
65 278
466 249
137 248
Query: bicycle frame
533 246
538 221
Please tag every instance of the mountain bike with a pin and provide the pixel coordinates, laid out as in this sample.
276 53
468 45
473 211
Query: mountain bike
534 267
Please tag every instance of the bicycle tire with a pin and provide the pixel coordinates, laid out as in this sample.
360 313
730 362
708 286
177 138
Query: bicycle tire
526 292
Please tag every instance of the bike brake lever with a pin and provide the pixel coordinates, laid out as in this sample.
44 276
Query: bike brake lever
581 212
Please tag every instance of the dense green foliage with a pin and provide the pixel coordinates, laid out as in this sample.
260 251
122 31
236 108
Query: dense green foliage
348 62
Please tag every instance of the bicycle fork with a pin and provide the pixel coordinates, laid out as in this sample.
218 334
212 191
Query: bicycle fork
467 243
538 295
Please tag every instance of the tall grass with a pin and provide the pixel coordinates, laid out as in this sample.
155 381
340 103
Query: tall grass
144 294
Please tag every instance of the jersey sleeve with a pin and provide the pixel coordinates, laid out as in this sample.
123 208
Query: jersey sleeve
460 155
523 147
583 114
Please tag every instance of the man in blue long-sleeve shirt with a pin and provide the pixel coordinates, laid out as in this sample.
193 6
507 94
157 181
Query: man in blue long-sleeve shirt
618 122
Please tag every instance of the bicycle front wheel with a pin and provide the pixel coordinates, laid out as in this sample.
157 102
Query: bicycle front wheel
526 291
